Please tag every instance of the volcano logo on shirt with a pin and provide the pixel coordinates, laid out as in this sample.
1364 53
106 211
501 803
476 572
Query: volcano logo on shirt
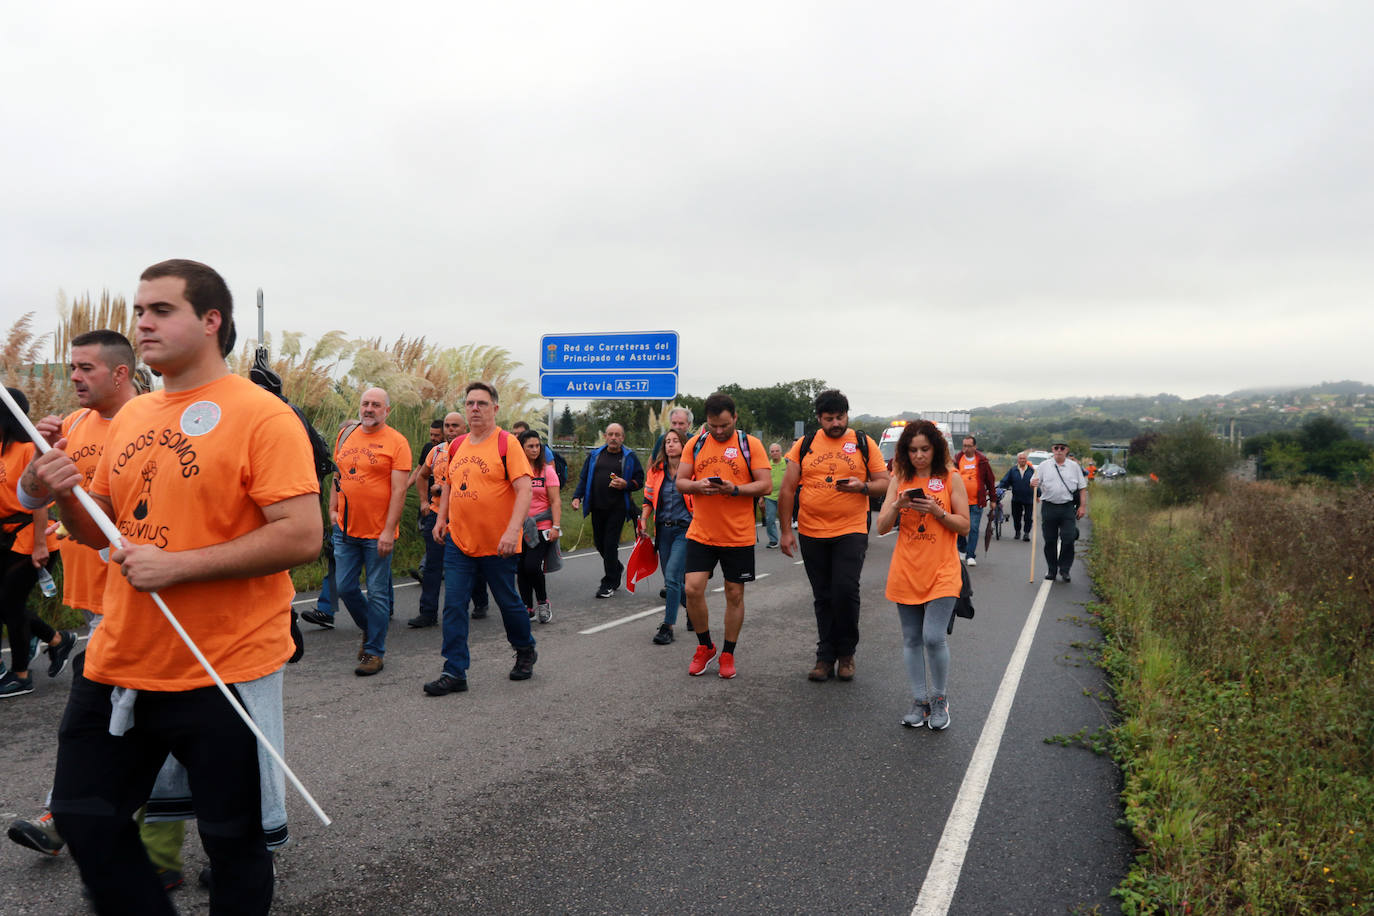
466 472
148 473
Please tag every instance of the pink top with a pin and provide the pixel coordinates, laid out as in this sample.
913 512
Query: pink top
539 500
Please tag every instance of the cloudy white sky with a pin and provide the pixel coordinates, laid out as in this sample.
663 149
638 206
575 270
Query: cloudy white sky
929 205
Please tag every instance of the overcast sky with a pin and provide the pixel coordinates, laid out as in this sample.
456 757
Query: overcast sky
931 206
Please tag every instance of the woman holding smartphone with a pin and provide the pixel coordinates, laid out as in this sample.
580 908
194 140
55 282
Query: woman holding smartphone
541 528
672 511
926 576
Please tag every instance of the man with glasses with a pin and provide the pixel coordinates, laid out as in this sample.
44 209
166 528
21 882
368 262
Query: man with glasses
1063 501
482 509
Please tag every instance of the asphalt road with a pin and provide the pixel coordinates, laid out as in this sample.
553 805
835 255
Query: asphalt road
612 782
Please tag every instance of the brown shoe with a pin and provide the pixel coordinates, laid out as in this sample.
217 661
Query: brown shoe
371 664
823 671
844 669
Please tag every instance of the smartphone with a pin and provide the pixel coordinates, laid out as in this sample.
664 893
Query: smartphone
915 493
546 534
840 480
717 481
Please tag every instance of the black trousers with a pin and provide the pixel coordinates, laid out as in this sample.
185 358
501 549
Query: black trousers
606 527
529 577
1059 527
834 566
101 780
1021 515
18 579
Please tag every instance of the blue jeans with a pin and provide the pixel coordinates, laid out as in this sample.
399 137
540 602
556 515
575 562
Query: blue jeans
969 545
672 558
770 520
373 614
324 601
459 573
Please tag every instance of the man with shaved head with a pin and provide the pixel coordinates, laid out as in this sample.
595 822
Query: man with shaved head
365 506
609 475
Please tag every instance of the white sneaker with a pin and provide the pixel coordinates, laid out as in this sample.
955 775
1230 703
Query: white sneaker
972 561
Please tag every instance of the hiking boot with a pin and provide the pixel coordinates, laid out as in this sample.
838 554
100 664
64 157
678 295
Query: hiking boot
59 654
171 878
664 635
524 664
446 684
701 659
918 716
12 685
319 619
371 664
727 665
543 612
823 671
939 714
39 834
422 621
479 613
844 668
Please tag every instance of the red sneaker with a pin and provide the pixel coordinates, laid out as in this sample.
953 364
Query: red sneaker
701 659
727 664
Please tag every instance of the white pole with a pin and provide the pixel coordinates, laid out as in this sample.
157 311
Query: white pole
112 533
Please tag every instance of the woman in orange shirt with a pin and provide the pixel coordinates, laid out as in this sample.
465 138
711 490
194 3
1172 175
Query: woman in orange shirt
925 576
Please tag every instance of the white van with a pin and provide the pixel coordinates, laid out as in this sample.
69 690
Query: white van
1037 456
888 443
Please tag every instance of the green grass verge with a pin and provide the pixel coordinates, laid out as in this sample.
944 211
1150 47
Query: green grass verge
1238 636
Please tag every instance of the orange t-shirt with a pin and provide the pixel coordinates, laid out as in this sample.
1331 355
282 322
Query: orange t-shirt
480 496
83 572
437 459
825 512
722 520
366 460
186 470
13 463
968 469
925 564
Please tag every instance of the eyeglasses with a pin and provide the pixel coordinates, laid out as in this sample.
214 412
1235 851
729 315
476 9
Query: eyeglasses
1061 448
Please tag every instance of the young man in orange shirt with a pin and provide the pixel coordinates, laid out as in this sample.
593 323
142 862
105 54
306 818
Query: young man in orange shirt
484 502
211 482
365 506
725 471
981 485
837 475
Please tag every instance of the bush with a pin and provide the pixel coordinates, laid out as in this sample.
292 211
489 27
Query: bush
1189 461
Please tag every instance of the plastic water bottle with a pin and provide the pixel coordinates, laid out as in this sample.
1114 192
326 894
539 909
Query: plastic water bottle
46 583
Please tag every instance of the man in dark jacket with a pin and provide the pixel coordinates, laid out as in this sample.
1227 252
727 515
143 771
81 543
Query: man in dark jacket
609 475
1017 480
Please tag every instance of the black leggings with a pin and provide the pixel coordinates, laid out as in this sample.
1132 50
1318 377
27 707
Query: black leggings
19 577
530 575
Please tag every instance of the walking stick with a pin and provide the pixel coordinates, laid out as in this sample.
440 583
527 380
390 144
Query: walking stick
1035 531
112 534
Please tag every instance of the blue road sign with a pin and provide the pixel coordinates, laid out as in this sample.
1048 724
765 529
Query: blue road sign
632 353
657 386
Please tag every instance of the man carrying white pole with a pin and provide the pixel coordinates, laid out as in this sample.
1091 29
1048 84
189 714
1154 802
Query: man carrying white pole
212 486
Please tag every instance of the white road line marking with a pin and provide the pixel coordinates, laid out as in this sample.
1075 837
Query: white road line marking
616 623
937 891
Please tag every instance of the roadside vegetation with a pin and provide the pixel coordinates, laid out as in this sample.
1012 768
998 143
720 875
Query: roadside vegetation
1238 632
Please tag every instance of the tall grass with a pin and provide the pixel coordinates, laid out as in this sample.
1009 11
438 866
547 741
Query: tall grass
1240 638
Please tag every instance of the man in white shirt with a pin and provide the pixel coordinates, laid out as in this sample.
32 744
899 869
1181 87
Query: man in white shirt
1063 501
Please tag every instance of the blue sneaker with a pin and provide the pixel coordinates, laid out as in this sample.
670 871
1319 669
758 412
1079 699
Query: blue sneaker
11 685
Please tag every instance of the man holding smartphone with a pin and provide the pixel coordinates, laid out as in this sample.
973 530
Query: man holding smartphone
833 473
609 475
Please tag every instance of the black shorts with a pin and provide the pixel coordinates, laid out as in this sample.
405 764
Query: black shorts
736 563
